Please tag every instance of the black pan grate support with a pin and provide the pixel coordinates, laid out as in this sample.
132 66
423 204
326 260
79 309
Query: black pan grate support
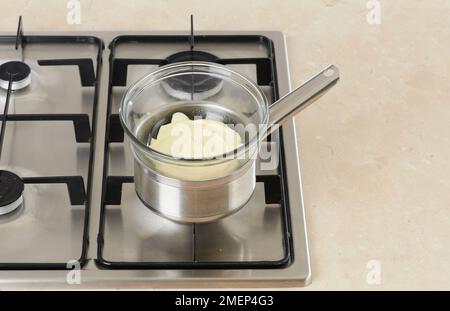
85 67
77 192
81 126
275 185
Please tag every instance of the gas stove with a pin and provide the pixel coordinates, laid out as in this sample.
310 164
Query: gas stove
69 214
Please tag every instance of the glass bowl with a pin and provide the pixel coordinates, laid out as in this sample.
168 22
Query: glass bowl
199 90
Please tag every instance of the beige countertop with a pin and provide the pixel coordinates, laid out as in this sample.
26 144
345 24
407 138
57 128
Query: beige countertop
375 151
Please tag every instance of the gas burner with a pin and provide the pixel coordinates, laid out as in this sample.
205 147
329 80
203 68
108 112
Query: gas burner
195 86
20 73
191 55
11 192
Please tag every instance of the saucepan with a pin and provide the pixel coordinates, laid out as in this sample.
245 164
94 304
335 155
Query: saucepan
204 189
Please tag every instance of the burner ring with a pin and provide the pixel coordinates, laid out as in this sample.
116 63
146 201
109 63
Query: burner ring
18 71
202 87
11 192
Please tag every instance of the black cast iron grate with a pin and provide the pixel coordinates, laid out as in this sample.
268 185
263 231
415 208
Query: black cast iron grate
83 134
112 185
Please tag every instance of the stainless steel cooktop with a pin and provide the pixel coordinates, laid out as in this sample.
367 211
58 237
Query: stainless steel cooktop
63 140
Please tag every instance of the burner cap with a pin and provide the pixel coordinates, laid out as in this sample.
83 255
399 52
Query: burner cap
11 190
200 86
20 73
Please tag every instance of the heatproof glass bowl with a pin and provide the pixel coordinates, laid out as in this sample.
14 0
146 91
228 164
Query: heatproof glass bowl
199 90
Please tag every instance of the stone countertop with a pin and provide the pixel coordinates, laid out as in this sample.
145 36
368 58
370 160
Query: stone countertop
375 151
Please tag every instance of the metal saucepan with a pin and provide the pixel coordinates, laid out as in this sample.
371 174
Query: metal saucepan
196 190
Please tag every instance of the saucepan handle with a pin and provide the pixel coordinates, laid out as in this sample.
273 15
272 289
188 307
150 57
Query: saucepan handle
300 98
